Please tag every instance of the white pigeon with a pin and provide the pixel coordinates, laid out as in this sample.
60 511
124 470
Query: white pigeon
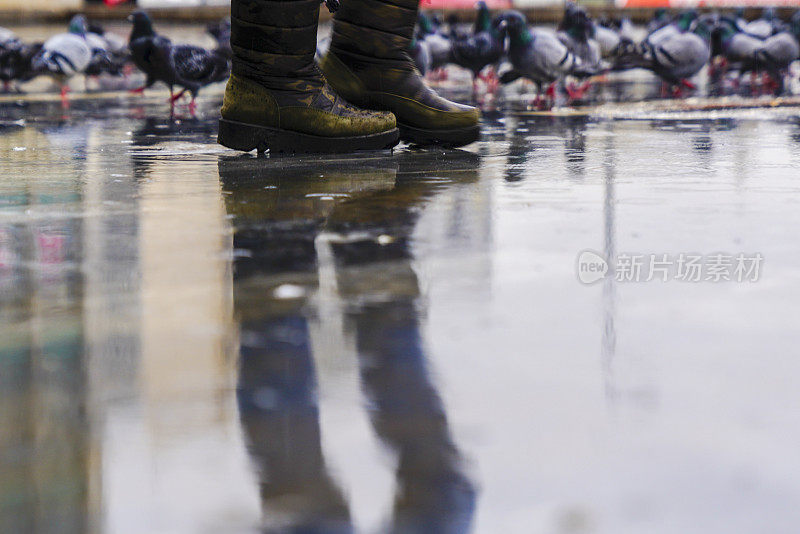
66 54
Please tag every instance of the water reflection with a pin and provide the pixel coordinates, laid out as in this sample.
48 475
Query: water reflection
289 231
44 443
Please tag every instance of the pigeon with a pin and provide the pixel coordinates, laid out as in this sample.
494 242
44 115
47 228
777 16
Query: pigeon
7 35
485 47
680 25
615 37
421 55
101 58
16 63
439 46
65 55
772 54
608 39
186 66
675 56
794 25
221 32
537 55
660 19
110 52
455 31
769 24
576 32
741 22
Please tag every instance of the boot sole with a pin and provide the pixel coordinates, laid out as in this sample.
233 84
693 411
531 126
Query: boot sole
249 137
448 138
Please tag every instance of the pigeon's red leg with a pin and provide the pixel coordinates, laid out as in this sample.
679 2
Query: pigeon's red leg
687 84
64 98
175 98
754 84
551 90
192 106
572 91
6 87
551 94
578 92
138 90
493 79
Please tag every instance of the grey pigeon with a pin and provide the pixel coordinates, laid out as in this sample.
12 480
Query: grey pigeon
773 54
187 66
537 55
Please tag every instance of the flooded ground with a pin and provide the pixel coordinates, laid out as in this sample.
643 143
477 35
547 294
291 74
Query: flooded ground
193 340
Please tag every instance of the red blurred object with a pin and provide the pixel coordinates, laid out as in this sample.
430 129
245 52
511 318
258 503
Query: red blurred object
112 3
683 4
463 4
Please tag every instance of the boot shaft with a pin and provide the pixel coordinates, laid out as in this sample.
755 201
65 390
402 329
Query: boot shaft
375 31
274 42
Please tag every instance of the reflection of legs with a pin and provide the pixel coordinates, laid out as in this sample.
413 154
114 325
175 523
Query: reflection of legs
277 386
433 495
277 403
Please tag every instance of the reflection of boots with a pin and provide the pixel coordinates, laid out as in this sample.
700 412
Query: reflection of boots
369 64
277 99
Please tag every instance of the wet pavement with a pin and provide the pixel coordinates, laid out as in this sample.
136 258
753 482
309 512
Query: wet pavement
193 340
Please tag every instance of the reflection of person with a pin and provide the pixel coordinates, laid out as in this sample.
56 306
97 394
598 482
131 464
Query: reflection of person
276 390
278 99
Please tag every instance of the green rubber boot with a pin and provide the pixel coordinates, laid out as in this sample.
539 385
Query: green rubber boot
368 64
277 99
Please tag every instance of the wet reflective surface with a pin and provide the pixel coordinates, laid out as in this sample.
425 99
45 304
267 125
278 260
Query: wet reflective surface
193 340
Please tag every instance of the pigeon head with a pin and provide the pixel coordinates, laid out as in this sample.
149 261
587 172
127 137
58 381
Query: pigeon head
516 25
702 27
794 25
142 25
425 25
686 18
78 25
96 28
723 30
484 17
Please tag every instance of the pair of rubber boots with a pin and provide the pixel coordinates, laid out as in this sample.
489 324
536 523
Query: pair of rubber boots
278 99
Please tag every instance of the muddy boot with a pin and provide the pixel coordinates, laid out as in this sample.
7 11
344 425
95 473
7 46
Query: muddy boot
368 64
277 99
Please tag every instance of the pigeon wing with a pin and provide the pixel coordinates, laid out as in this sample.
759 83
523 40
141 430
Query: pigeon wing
779 51
67 54
683 55
192 63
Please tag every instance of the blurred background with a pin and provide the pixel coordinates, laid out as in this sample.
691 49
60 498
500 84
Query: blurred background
191 10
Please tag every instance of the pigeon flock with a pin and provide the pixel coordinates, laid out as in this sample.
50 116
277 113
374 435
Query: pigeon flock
89 50
497 50
581 51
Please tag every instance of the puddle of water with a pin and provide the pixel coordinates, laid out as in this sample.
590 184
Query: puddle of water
194 340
